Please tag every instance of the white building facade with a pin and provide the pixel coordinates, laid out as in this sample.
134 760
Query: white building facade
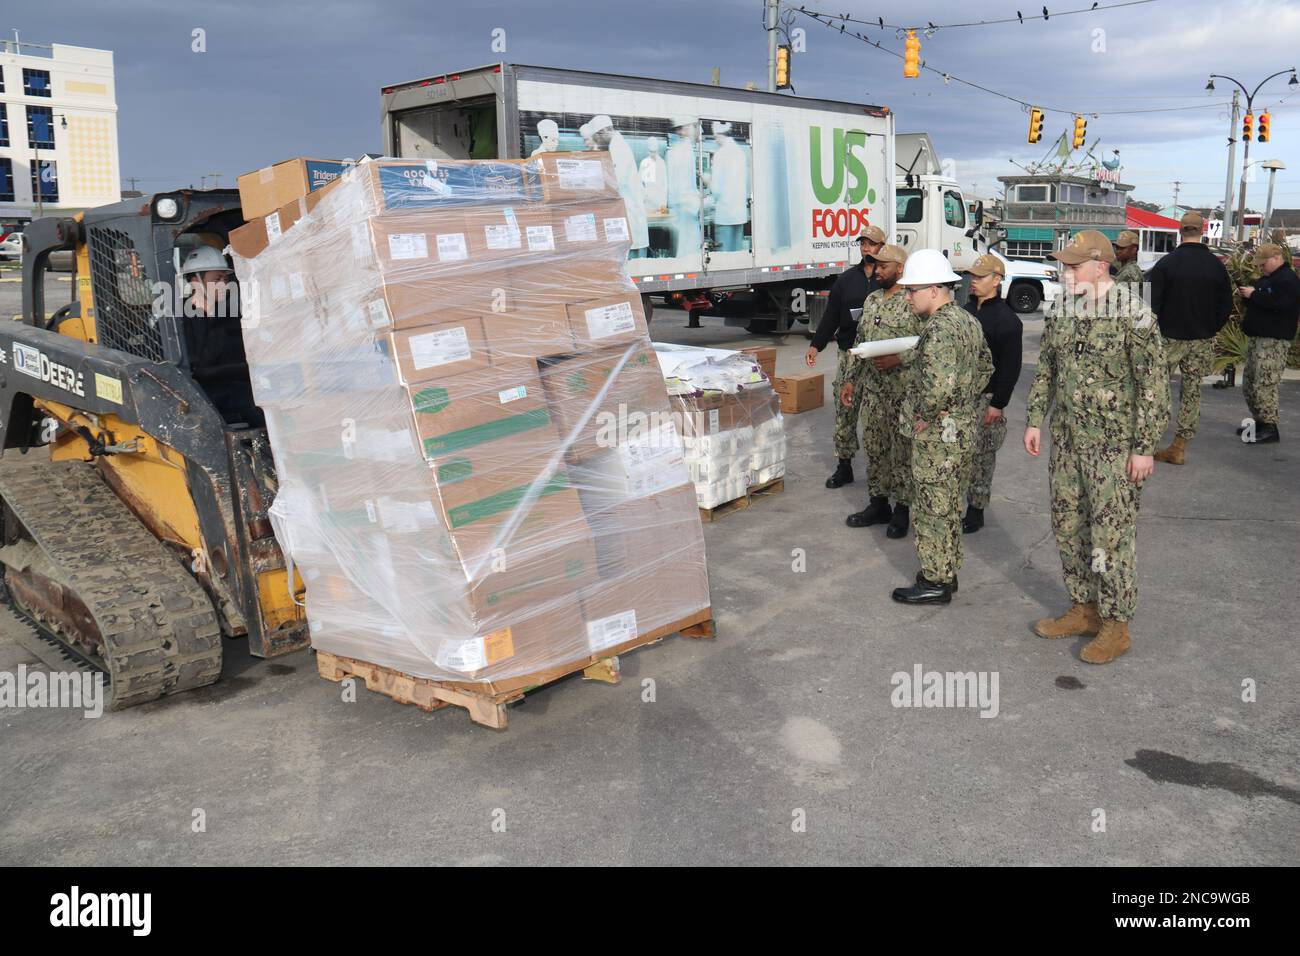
58 130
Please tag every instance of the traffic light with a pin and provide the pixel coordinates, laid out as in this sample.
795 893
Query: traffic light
1035 124
1080 131
783 67
912 56
1264 121
1247 127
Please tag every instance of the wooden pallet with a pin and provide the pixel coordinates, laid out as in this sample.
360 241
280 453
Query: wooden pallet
487 702
727 507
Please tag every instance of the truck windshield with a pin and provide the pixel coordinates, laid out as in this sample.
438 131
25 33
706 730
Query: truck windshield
908 205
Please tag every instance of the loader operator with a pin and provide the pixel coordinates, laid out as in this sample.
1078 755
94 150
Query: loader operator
213 337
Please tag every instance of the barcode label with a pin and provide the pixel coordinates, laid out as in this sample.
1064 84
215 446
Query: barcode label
272 227
410 245
612 630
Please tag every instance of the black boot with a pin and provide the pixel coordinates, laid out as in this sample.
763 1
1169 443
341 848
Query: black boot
1266 433
899 523
843 474
924 591
973 521
876 512
920 576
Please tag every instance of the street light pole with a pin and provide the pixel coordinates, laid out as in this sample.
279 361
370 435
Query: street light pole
772 19
1232 160
1245 159
1272 165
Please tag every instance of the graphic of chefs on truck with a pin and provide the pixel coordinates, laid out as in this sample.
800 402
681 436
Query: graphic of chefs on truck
686 180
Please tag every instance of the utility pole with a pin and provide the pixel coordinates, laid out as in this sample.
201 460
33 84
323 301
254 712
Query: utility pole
773 17
1177 185
1272 165
1232 158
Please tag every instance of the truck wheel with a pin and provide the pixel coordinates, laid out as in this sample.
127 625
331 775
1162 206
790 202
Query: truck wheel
1025 297
647 307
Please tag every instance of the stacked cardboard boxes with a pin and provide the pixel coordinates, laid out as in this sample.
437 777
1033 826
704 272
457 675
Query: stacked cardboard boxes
480 478
732 428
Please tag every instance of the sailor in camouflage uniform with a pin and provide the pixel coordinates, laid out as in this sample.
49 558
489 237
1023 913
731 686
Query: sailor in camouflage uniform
1101 369
879 384
940 414
1126 254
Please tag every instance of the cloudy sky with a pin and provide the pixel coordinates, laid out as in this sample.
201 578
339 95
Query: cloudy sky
303 78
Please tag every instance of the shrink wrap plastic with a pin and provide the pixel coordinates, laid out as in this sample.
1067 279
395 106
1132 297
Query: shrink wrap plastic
479 478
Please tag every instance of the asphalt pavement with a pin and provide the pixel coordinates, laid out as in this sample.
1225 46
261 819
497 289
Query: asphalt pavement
784 739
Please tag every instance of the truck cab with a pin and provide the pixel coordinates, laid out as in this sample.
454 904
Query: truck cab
930 210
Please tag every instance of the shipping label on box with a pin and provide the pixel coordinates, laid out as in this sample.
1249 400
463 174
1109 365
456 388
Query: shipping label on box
437 351
567 177
609 320
592 225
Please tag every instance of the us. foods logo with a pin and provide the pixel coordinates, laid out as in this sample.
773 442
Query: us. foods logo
34 362
848 183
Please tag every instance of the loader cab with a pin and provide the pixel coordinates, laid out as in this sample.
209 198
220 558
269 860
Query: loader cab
130 295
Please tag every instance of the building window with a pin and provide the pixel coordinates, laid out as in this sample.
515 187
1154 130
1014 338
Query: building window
49 181
40 127
6 180
4 125
954 211
907 205
36 82
1043 193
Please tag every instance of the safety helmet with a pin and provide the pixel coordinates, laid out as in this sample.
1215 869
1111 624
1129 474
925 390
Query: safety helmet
928 267
204 259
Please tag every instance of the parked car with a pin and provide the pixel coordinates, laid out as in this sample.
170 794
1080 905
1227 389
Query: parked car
11 247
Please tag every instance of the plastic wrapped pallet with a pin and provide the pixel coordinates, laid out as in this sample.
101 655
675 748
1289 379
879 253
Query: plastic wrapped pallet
479 478
732 429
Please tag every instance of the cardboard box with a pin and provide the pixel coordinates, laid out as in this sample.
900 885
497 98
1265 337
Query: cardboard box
577 176
439 351
593 226
429 297
477 406
608 320
267 189
533 574
765 356
406 185
528 325
801 392
574 383
511 232
532 642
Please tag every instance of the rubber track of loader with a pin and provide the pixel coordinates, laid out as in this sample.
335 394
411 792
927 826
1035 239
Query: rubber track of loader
161 634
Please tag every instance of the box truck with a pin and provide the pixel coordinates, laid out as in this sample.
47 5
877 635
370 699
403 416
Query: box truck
737 200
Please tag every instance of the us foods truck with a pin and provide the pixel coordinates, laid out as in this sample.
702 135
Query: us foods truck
737 199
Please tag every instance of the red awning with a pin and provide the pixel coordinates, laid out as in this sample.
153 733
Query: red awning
1136 218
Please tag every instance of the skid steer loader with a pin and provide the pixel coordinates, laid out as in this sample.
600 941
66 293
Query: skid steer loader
135 528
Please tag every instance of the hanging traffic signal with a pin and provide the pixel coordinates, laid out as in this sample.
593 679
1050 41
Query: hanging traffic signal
783 67
912 56
1035 124
1247 127
1080 131
1264 121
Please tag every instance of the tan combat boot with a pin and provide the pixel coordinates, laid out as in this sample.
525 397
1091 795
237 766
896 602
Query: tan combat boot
1110 642
1175 453
1080 619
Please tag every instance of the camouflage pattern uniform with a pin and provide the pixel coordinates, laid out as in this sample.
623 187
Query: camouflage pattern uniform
1265 361
951 367
846 416
881 395
1195 359
1129 273
985 456
1104 369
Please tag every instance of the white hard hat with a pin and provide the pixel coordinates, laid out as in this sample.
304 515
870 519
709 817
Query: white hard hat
204 259
600 122
928 267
